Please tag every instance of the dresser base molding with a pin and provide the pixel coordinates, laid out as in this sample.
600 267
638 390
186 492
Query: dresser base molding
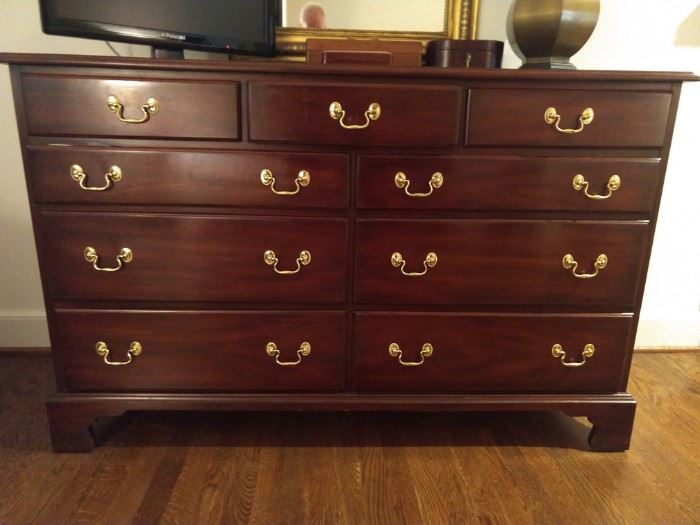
72 416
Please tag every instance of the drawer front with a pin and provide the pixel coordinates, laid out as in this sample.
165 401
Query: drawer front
79 106
194 258
410 115
498 262
490 353
216 351
507 183
188 177
516 117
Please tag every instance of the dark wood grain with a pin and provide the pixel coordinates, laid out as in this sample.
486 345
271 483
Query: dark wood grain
506 183
176 177
78 106
487 353
195 258
497 262
201 351
410 114
612 428
218 468
516 117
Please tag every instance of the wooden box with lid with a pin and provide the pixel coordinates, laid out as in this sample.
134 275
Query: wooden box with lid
464 53
278 236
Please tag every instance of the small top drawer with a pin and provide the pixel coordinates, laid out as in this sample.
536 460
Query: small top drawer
359 114
517 117
106 107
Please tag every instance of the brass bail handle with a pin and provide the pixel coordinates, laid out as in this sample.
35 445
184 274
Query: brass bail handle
271 259
580 183
148 109
553 118
337 112
397 261
425 351
303 179
569 263
78 175
559 353
402 182
102 350
125 256
272 350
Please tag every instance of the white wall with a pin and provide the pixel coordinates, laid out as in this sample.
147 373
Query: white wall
631 34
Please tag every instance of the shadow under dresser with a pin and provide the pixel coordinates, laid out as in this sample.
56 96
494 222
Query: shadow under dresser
279 236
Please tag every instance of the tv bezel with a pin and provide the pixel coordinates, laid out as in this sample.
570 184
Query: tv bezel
158 38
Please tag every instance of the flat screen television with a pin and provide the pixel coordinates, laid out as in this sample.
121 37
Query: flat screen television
229 26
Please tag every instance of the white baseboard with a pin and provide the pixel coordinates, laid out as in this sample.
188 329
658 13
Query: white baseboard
668 333
26 330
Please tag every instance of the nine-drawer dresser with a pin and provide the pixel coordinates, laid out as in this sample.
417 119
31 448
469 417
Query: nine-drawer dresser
279 236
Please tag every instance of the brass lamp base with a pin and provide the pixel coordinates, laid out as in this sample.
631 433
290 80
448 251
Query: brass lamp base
546 33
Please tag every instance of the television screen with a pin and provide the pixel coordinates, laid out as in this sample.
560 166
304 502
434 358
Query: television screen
234 26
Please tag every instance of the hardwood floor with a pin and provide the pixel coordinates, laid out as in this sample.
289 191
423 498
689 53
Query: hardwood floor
297 468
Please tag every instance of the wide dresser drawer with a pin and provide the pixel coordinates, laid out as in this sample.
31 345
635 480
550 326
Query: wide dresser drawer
188 177
507 183
530 117
108 350
113 107
158 257
489 262
459 352
366 114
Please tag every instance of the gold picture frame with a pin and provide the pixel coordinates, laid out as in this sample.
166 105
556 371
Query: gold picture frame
460 23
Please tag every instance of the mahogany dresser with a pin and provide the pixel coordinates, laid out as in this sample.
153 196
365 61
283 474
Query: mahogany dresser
280 236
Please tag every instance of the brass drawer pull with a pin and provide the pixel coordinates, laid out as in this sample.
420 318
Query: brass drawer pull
337 112
425 351
125 256
272 350
580 183
303 179
402 182
134 350
429 262
78 174
551 117
569 263
272 260
558 352
149 108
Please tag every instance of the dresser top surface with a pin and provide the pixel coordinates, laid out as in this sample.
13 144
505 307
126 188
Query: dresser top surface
286 67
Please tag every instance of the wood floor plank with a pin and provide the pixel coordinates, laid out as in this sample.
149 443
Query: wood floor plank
294 468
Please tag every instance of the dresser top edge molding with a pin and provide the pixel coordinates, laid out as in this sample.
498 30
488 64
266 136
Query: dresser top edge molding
285 67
